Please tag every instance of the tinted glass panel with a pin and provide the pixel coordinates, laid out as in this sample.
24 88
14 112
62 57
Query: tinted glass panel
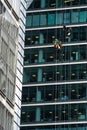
36 20
71 112
51 19
43 19
54 93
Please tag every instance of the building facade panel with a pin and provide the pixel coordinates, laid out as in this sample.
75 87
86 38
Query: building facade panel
19 70
10 104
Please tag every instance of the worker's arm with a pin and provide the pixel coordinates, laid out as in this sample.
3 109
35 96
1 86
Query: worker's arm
60 44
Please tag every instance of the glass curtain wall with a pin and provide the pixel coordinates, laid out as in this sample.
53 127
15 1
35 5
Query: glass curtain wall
47 93
52 18
55 84
42 4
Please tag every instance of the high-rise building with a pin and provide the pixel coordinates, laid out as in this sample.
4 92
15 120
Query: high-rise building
12 29
55 81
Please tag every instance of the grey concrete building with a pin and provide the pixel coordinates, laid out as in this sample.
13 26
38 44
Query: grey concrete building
12 28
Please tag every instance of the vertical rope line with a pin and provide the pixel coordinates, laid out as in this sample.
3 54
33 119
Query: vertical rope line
65 18
58 57
65 69
56 79
56 75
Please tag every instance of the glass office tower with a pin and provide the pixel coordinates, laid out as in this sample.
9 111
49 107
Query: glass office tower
55 87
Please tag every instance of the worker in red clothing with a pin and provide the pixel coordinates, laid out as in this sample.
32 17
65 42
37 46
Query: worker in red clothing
58 46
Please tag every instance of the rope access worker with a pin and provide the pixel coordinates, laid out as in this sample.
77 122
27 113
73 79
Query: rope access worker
58 46
66 34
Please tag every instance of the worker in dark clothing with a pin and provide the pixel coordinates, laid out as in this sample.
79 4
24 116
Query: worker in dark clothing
66 34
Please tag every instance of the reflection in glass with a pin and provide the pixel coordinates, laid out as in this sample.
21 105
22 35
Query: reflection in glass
65 112
75 16
51 18
59 127
47 36
54 93
66 72
43 19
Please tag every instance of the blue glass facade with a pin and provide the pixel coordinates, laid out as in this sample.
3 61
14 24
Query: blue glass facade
56 17
54 95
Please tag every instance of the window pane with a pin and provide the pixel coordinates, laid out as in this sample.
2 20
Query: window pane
43 3
36 3
36 20
51 19
43 19
75 17
83 16
28 21
52 3
67 17
59 18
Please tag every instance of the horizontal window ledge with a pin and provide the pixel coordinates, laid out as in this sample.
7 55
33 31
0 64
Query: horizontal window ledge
55 103
51 45
55 83
55 9
54 64
53 27
53 123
